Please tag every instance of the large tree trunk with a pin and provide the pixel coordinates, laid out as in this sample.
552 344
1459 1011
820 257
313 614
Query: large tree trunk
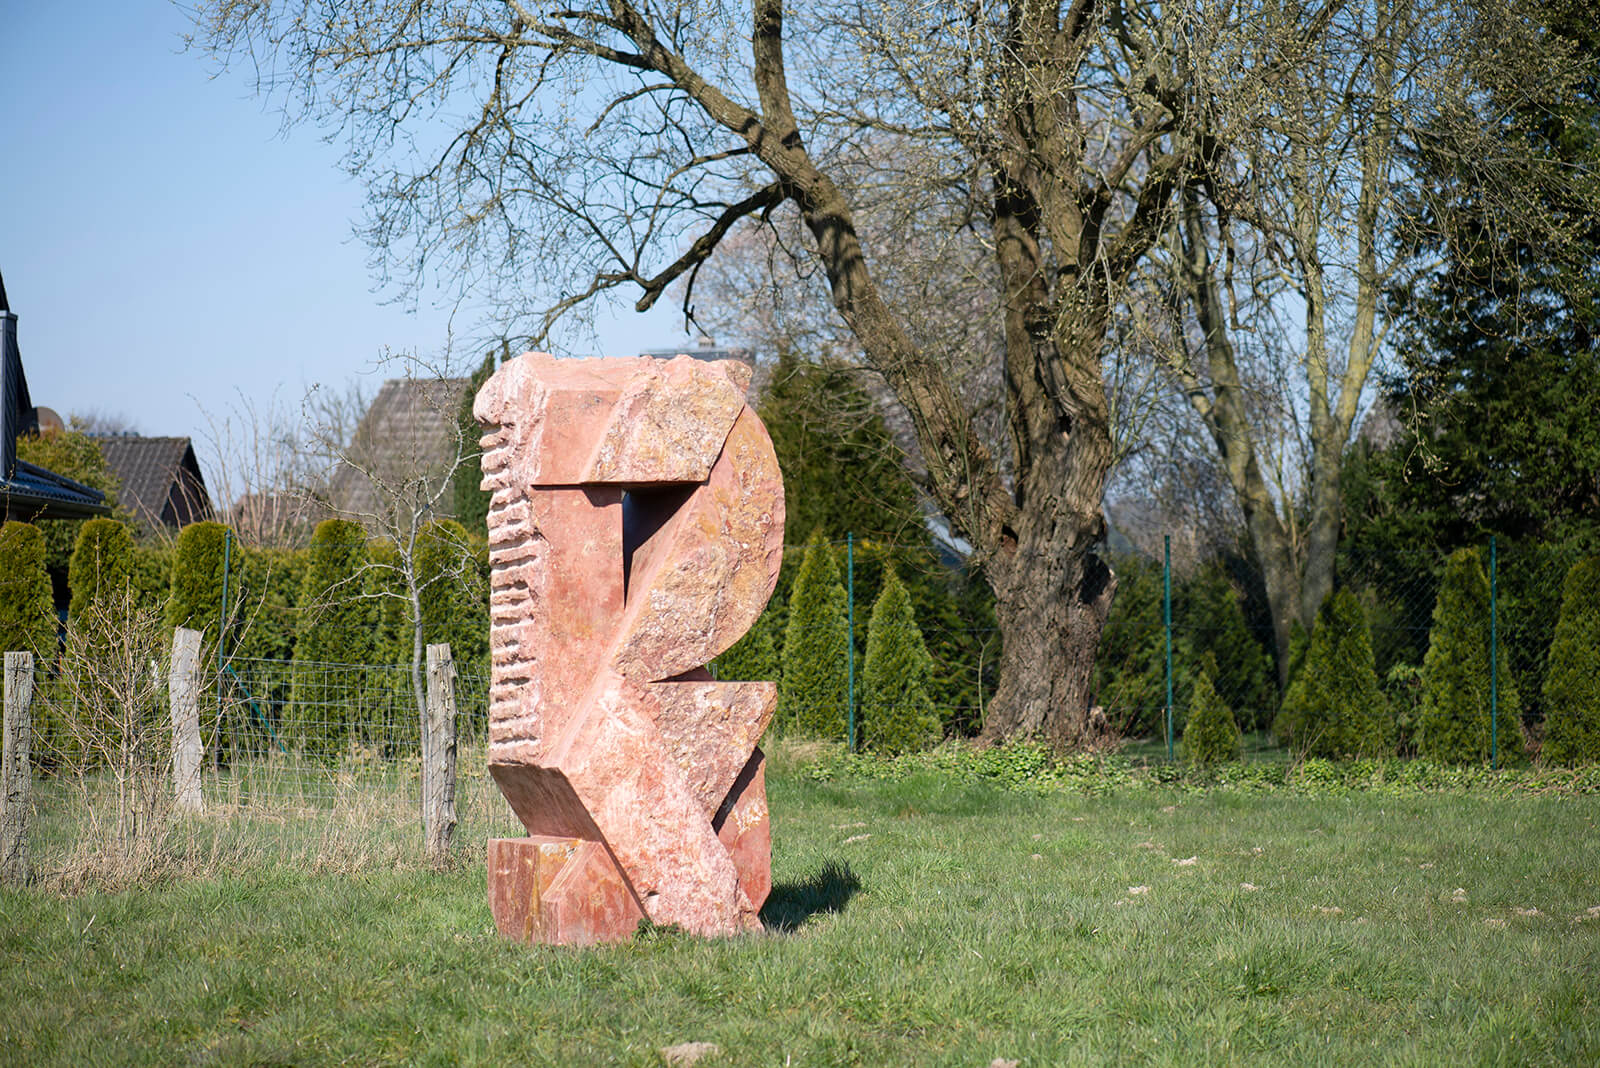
1051 603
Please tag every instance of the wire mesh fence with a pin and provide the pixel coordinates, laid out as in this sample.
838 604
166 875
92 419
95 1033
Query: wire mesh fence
323 760
306 762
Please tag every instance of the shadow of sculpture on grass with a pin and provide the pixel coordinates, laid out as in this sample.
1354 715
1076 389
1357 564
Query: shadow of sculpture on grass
790 905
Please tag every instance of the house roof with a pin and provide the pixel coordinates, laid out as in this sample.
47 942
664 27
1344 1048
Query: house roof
29 492
160 478
406 439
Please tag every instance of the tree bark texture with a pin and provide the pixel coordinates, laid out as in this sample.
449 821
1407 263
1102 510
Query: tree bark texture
16 776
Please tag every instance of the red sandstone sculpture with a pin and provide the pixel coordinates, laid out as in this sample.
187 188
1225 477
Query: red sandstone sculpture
635 532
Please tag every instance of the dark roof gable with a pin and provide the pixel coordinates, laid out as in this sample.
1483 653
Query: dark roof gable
160 478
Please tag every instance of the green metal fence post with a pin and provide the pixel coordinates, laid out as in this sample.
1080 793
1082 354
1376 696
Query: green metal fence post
1494 654
1166 614
222 621
850 641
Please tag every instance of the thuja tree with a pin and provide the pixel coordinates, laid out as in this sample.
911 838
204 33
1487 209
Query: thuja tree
198 585
1572 684
101 565
1454 725
897 713
1334 707
270 585
27 611
336 628
471 503
754 657
813 693
453 592
1211 735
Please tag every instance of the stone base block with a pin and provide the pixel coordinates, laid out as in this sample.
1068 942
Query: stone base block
563 891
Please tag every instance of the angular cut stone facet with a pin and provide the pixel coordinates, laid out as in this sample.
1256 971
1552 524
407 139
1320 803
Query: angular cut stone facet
635 532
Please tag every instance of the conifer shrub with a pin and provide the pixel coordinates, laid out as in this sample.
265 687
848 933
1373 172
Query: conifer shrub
27 609
897 714
1212 609
813 692
1211 735
390 604
1454 723
1130 667
454 591
1572 680
754 657
1334 707
196 589
336 628
266 608
101 566
151 572
469 502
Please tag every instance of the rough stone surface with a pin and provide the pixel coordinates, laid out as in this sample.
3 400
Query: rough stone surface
635 532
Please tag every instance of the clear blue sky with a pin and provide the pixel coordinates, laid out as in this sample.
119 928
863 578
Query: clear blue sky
165 244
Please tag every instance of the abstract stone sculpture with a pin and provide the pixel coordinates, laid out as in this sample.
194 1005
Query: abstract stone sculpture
635 532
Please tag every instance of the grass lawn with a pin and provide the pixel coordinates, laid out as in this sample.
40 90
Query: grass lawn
915 922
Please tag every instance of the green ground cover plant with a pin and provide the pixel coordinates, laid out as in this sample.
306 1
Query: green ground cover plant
926 911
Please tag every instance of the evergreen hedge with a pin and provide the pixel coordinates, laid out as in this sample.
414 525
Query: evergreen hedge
1211 735
471 504
1334 707
450 567
102 565
27 608
754 657
1572 682
336 627
390 604
813 692
1454 724
265 613
196 588
897 714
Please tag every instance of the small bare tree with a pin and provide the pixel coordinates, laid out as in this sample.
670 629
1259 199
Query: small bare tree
114 738
392 471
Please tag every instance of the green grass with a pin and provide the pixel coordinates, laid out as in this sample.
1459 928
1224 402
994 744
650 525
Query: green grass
921 921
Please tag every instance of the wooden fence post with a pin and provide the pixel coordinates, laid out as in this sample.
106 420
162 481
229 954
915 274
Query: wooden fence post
16 777
439 756
183 689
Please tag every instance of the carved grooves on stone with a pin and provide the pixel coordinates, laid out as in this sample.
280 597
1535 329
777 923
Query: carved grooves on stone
516 554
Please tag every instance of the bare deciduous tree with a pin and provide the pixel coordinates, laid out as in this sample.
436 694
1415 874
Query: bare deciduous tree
546 156
1286 239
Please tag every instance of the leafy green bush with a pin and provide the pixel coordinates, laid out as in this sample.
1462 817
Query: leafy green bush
813 693
897 715
336 627
1572 683
1334 707
76 454
1211 735
1454 725
27 609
